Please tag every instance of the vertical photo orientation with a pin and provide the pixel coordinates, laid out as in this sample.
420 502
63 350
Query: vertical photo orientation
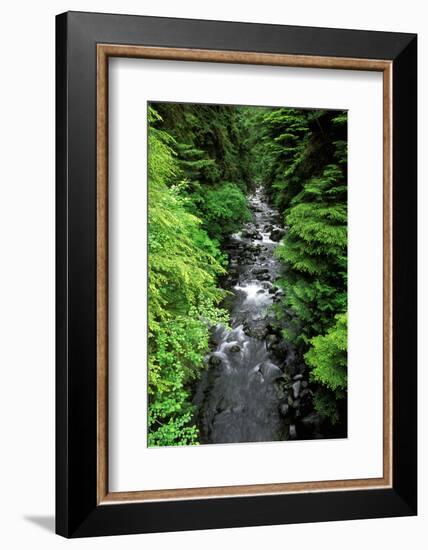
247 274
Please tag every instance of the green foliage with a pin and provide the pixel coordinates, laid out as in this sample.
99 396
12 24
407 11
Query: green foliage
203 161
183 265
328 360
307 179
210 149
176 352
328 355
225 209
326 406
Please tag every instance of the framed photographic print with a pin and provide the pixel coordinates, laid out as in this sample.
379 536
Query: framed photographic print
236 274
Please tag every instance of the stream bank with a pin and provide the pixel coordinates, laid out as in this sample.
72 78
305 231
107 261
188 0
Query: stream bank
255 387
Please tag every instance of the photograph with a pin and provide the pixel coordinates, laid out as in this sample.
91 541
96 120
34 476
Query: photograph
247 273
213 266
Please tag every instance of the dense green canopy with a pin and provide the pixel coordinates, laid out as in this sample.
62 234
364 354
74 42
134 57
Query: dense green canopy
203 161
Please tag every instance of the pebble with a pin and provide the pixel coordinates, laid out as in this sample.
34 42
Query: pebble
296 388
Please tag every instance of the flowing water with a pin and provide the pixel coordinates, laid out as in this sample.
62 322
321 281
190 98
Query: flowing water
237 398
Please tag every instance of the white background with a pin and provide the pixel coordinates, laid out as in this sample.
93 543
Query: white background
27 274
132 83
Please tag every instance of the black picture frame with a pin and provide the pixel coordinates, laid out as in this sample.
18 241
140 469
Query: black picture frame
78 513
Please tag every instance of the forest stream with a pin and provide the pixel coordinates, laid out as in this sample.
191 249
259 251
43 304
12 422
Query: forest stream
238 398
247 272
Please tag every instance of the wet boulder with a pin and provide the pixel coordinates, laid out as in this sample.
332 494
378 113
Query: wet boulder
214 361
250 257
278 295
250 232
296 388
293 431
284 409
270 371
233 272
260 270
256 328
293 365
296 405
212 343
271 339
267 285
279 349
277 234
